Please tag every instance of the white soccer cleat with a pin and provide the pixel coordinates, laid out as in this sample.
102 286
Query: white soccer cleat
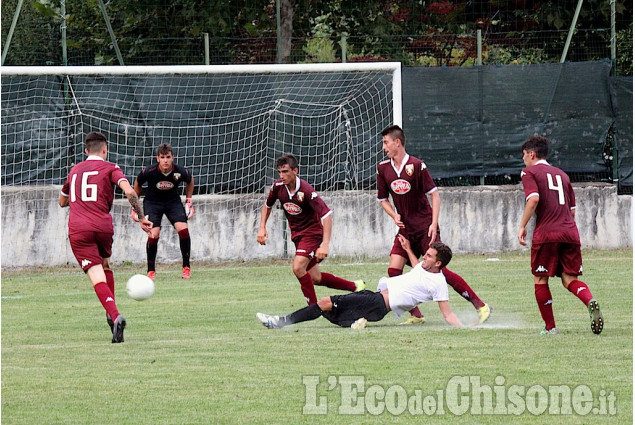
271 322
359 324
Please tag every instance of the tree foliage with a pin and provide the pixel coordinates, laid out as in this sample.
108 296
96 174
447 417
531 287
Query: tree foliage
414 31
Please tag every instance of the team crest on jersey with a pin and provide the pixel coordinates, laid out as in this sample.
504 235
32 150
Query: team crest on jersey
165 185
400 187
410 169
177 176
300 196
292 208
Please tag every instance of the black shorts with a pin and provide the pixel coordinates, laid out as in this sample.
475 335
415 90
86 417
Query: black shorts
348 308
173 210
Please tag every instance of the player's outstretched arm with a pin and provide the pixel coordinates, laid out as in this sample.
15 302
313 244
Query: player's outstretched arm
63 201
133 198
387 206
189 192
435 203
530 208
265 212
189 189
405 244
327 227
448 314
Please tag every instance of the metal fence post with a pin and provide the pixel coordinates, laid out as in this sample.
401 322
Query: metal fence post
343 45
206 47
10 36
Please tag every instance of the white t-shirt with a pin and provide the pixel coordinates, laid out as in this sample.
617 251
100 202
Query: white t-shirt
417 286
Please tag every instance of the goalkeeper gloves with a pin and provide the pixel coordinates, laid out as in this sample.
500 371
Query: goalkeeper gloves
134 215
189 208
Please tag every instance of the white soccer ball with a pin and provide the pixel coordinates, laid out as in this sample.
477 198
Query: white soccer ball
140 287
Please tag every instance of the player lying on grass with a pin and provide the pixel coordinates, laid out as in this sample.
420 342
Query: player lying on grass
423 283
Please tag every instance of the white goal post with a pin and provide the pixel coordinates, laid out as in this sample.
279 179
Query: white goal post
227 124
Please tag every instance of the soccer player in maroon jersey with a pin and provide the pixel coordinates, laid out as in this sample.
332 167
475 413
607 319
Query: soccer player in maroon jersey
407 181
162 197
555 245
89 192
311 222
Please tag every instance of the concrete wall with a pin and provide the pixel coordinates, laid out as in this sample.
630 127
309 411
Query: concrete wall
474 219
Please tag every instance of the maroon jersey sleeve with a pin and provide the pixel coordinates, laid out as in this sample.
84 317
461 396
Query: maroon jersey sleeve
317 204
382 186
272 197
427 184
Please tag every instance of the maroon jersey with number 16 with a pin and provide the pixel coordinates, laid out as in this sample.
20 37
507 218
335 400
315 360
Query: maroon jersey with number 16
90 188
408 186
304 208
554 222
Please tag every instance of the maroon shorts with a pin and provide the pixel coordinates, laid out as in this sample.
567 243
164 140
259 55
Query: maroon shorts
418 243
307 245
552 258
90 248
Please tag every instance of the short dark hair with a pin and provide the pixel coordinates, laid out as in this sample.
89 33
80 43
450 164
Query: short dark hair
444 253
538 144
164 149
395 132
95 141
287 159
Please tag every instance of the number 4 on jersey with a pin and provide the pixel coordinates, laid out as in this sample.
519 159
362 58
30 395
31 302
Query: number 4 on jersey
557 187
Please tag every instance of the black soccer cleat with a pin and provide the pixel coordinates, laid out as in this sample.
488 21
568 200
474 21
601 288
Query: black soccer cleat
110 322
597 321
117 329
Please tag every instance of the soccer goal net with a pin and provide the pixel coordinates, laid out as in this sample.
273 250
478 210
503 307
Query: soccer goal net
226 124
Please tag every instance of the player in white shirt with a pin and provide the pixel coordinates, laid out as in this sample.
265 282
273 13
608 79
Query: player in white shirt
424 283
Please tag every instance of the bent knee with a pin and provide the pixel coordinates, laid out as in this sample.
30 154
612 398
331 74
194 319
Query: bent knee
325 304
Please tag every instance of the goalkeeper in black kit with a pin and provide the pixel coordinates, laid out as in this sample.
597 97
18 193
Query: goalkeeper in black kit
162 198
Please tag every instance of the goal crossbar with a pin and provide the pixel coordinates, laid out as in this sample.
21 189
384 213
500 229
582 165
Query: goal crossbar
393 67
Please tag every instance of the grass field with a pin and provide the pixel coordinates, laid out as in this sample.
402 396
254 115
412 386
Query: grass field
194 353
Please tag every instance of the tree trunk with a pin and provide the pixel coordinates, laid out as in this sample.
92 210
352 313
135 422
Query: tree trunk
286 28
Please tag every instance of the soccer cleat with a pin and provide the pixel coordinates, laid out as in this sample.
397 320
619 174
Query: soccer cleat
597 321
552 331
152 274
360 285
110 322
413 320
483 313
117 329
187 273
359 324
271 322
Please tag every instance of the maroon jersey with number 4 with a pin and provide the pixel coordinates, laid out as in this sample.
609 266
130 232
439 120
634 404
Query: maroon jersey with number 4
304 208
554 222
408 185
90 189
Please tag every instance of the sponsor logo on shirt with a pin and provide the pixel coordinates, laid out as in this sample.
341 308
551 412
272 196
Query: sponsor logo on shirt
314 195
410 169
400 187
292 208
165 185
